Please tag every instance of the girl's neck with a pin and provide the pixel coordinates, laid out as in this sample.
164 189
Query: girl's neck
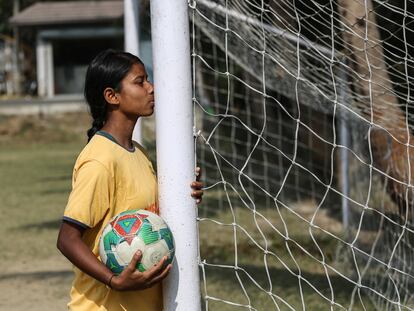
121 131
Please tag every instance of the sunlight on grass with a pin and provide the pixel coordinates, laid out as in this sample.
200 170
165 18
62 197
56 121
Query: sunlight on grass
36 161
224 246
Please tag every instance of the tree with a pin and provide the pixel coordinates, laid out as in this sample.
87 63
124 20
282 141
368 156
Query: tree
6 11
390 133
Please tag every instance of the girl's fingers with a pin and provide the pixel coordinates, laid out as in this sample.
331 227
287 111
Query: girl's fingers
197 194
135 259
157 269
161 276
198 173
196 185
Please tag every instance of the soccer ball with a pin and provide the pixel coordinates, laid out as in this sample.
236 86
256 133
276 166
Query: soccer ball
131 231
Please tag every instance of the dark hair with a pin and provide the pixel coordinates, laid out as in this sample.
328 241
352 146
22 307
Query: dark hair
107 69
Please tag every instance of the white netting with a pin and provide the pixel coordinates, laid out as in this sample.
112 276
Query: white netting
304 111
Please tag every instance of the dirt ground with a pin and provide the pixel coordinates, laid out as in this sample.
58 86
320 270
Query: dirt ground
45 286
36 277
37 154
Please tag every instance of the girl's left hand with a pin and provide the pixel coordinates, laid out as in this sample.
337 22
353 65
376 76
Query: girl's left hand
197 186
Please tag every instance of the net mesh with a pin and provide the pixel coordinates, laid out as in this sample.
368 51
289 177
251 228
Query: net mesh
304 120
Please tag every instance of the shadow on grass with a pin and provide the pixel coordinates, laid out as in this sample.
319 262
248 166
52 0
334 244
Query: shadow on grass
283 278
45 225
56 178
224 284
40 275
51 191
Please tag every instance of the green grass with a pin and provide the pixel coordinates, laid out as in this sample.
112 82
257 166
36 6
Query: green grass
36 161
33 195
277 272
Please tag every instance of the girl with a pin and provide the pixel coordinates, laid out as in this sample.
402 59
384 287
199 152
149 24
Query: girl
112 174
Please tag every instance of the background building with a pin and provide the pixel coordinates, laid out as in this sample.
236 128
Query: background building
66 35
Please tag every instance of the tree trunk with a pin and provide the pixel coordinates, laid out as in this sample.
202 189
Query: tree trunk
375 97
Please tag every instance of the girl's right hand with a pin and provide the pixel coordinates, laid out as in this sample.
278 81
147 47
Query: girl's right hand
132 279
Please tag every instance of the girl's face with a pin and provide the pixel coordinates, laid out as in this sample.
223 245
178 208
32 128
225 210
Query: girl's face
136 96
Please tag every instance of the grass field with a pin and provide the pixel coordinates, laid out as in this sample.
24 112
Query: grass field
218 247
36 160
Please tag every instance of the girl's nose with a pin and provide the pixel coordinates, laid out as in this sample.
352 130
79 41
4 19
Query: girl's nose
150 87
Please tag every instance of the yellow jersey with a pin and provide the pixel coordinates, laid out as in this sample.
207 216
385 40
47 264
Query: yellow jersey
107 180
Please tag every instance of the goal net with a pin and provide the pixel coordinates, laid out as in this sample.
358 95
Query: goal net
303 124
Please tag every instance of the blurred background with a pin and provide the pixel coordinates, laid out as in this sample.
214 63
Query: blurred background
309 193
45 47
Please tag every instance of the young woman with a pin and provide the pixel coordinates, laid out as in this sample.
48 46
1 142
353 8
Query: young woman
112 174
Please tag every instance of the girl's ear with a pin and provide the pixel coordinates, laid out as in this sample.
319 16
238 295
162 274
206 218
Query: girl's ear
111 96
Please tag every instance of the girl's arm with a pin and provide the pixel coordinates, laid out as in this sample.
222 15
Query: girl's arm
71 245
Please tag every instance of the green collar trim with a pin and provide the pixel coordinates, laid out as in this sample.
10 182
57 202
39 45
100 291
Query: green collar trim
110 137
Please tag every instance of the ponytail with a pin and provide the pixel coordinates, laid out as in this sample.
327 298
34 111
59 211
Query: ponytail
97 124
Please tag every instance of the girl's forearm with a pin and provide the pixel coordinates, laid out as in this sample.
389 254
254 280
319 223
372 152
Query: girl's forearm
71 245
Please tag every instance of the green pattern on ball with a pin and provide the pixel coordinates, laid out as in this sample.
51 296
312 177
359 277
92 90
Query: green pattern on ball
112 264
146 233
121 233
129 212
111 238
140 267
167 236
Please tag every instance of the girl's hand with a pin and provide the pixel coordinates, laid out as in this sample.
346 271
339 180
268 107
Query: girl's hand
197 186
132 279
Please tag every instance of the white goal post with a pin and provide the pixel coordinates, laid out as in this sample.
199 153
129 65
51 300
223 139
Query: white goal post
175 148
